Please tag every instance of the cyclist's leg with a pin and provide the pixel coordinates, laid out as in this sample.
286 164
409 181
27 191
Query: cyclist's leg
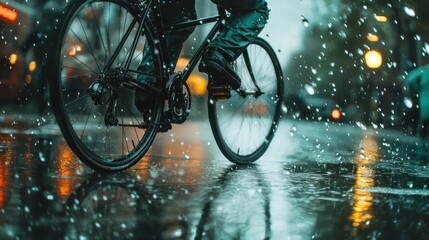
245 23
172 11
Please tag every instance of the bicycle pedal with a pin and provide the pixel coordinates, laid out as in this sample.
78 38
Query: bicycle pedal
219 91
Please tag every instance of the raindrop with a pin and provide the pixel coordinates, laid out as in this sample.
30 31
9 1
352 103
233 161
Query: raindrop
154 173
293 131
314 71
408 103
50 197
310 90
361 125
304 21
284 108
409 11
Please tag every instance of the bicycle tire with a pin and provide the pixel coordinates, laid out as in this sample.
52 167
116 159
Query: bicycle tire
90 31
244 125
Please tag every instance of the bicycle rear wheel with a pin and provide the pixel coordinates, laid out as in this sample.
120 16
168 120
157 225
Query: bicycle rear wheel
244 124
95 40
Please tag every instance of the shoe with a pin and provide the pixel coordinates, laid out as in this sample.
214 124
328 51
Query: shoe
215 65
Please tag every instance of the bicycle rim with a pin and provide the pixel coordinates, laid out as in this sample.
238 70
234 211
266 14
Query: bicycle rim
90 33
244 124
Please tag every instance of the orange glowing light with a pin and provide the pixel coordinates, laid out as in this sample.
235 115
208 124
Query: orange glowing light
28 79
32 66
66 168
3 185
74 50
8 14
372 37
380 18
373 59
336 114
197 84
13 59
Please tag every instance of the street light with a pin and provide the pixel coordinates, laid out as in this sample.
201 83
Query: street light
381 18
373 59
372 37
8 14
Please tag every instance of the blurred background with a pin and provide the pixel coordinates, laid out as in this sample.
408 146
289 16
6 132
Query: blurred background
343 61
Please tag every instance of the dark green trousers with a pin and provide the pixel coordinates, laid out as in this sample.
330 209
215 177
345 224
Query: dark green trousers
248 18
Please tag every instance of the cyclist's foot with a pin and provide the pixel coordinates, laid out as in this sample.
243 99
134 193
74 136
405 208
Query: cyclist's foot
215 65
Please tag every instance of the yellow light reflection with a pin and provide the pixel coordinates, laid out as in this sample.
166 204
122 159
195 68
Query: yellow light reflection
5 177
28 159
182 161
368 155
66 164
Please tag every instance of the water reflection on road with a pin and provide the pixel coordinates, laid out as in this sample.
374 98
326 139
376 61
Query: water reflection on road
319 187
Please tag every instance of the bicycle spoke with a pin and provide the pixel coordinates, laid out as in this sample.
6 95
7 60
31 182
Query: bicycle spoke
101 124
244 124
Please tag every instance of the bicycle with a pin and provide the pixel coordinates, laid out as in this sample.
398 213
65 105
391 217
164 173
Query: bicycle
100 45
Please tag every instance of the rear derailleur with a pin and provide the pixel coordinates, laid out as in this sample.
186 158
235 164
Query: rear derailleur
104 92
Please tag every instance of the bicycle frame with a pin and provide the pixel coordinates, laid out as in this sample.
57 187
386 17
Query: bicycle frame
200 51
161 29
94 93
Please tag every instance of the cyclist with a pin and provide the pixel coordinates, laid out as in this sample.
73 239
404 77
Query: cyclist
247 19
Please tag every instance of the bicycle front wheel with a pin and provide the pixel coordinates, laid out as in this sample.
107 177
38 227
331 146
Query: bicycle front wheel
96 46
244 124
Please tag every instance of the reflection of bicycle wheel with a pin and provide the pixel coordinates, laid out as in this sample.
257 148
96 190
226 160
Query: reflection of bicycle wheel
111 207
244 125
92 87
233 212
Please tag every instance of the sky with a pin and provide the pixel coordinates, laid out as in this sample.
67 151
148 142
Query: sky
285 27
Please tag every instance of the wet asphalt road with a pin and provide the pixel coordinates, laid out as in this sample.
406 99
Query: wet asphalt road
317 181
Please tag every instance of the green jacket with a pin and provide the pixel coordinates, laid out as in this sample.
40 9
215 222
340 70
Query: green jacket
418 80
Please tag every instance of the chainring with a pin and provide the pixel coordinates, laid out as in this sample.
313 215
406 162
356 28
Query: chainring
179 100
